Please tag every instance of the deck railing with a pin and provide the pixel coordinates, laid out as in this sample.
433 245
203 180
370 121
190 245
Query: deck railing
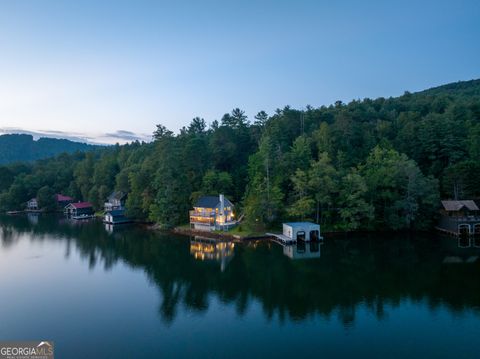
202 214
202 217
464 218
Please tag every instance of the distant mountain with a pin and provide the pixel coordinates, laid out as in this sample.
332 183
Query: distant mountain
16 147
469 88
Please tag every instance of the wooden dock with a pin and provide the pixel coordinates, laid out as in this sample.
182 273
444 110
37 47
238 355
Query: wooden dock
456 234
282 238
445 231
83 217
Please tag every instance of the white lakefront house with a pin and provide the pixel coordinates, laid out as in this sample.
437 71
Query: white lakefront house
32 205
212 213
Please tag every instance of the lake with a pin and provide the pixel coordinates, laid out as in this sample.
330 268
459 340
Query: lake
135 293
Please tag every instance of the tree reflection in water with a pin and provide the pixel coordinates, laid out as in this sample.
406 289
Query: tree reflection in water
375 271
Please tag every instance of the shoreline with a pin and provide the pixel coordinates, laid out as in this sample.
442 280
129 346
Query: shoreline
228 236
212 235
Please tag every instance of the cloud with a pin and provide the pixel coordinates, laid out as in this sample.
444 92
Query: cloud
128 136
120 136
49 134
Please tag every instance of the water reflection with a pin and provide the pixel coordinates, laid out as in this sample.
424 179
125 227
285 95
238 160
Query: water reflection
33 218
303 250
471 241
370 271
108 227
203 248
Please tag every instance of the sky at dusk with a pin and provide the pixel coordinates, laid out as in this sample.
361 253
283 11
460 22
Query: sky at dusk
108 71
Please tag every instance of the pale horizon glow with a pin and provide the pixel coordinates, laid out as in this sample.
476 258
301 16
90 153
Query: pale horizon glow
110 71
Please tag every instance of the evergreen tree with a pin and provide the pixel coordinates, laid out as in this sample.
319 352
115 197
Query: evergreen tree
355 212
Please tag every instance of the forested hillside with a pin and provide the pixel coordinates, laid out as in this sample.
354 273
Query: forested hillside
18 148
370 164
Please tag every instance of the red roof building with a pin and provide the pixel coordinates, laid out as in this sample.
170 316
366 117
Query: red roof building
61 198
79 208
79 205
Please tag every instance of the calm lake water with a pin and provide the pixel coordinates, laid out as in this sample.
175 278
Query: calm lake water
134 293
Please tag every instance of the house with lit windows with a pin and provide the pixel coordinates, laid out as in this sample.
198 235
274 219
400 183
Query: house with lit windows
212 213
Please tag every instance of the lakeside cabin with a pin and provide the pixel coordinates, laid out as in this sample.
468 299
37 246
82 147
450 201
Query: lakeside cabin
116 201
459 217
212 213
32 205
79 209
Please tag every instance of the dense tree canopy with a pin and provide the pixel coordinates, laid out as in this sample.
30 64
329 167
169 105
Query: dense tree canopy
370 164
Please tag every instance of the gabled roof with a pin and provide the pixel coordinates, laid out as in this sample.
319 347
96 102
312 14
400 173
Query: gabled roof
79 205
61 198
211 202
297 224
119 195
458 205
32 199
301 224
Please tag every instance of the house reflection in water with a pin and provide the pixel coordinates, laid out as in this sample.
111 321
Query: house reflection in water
213 250
468 241
467 251
33 218
108 227
302 250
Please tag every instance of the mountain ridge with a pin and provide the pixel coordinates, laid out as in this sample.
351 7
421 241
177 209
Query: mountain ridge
24 148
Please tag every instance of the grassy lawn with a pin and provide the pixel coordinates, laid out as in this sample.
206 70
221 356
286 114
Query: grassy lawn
246 231
184 226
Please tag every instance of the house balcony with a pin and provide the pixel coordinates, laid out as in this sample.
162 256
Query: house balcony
210 220
467 219
202 213
108 206
202 217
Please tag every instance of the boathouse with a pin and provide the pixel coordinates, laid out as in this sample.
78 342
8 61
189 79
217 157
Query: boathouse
294 232
115 201
459 217
62 200
79 209
116 216
32 205
304 231
212 213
